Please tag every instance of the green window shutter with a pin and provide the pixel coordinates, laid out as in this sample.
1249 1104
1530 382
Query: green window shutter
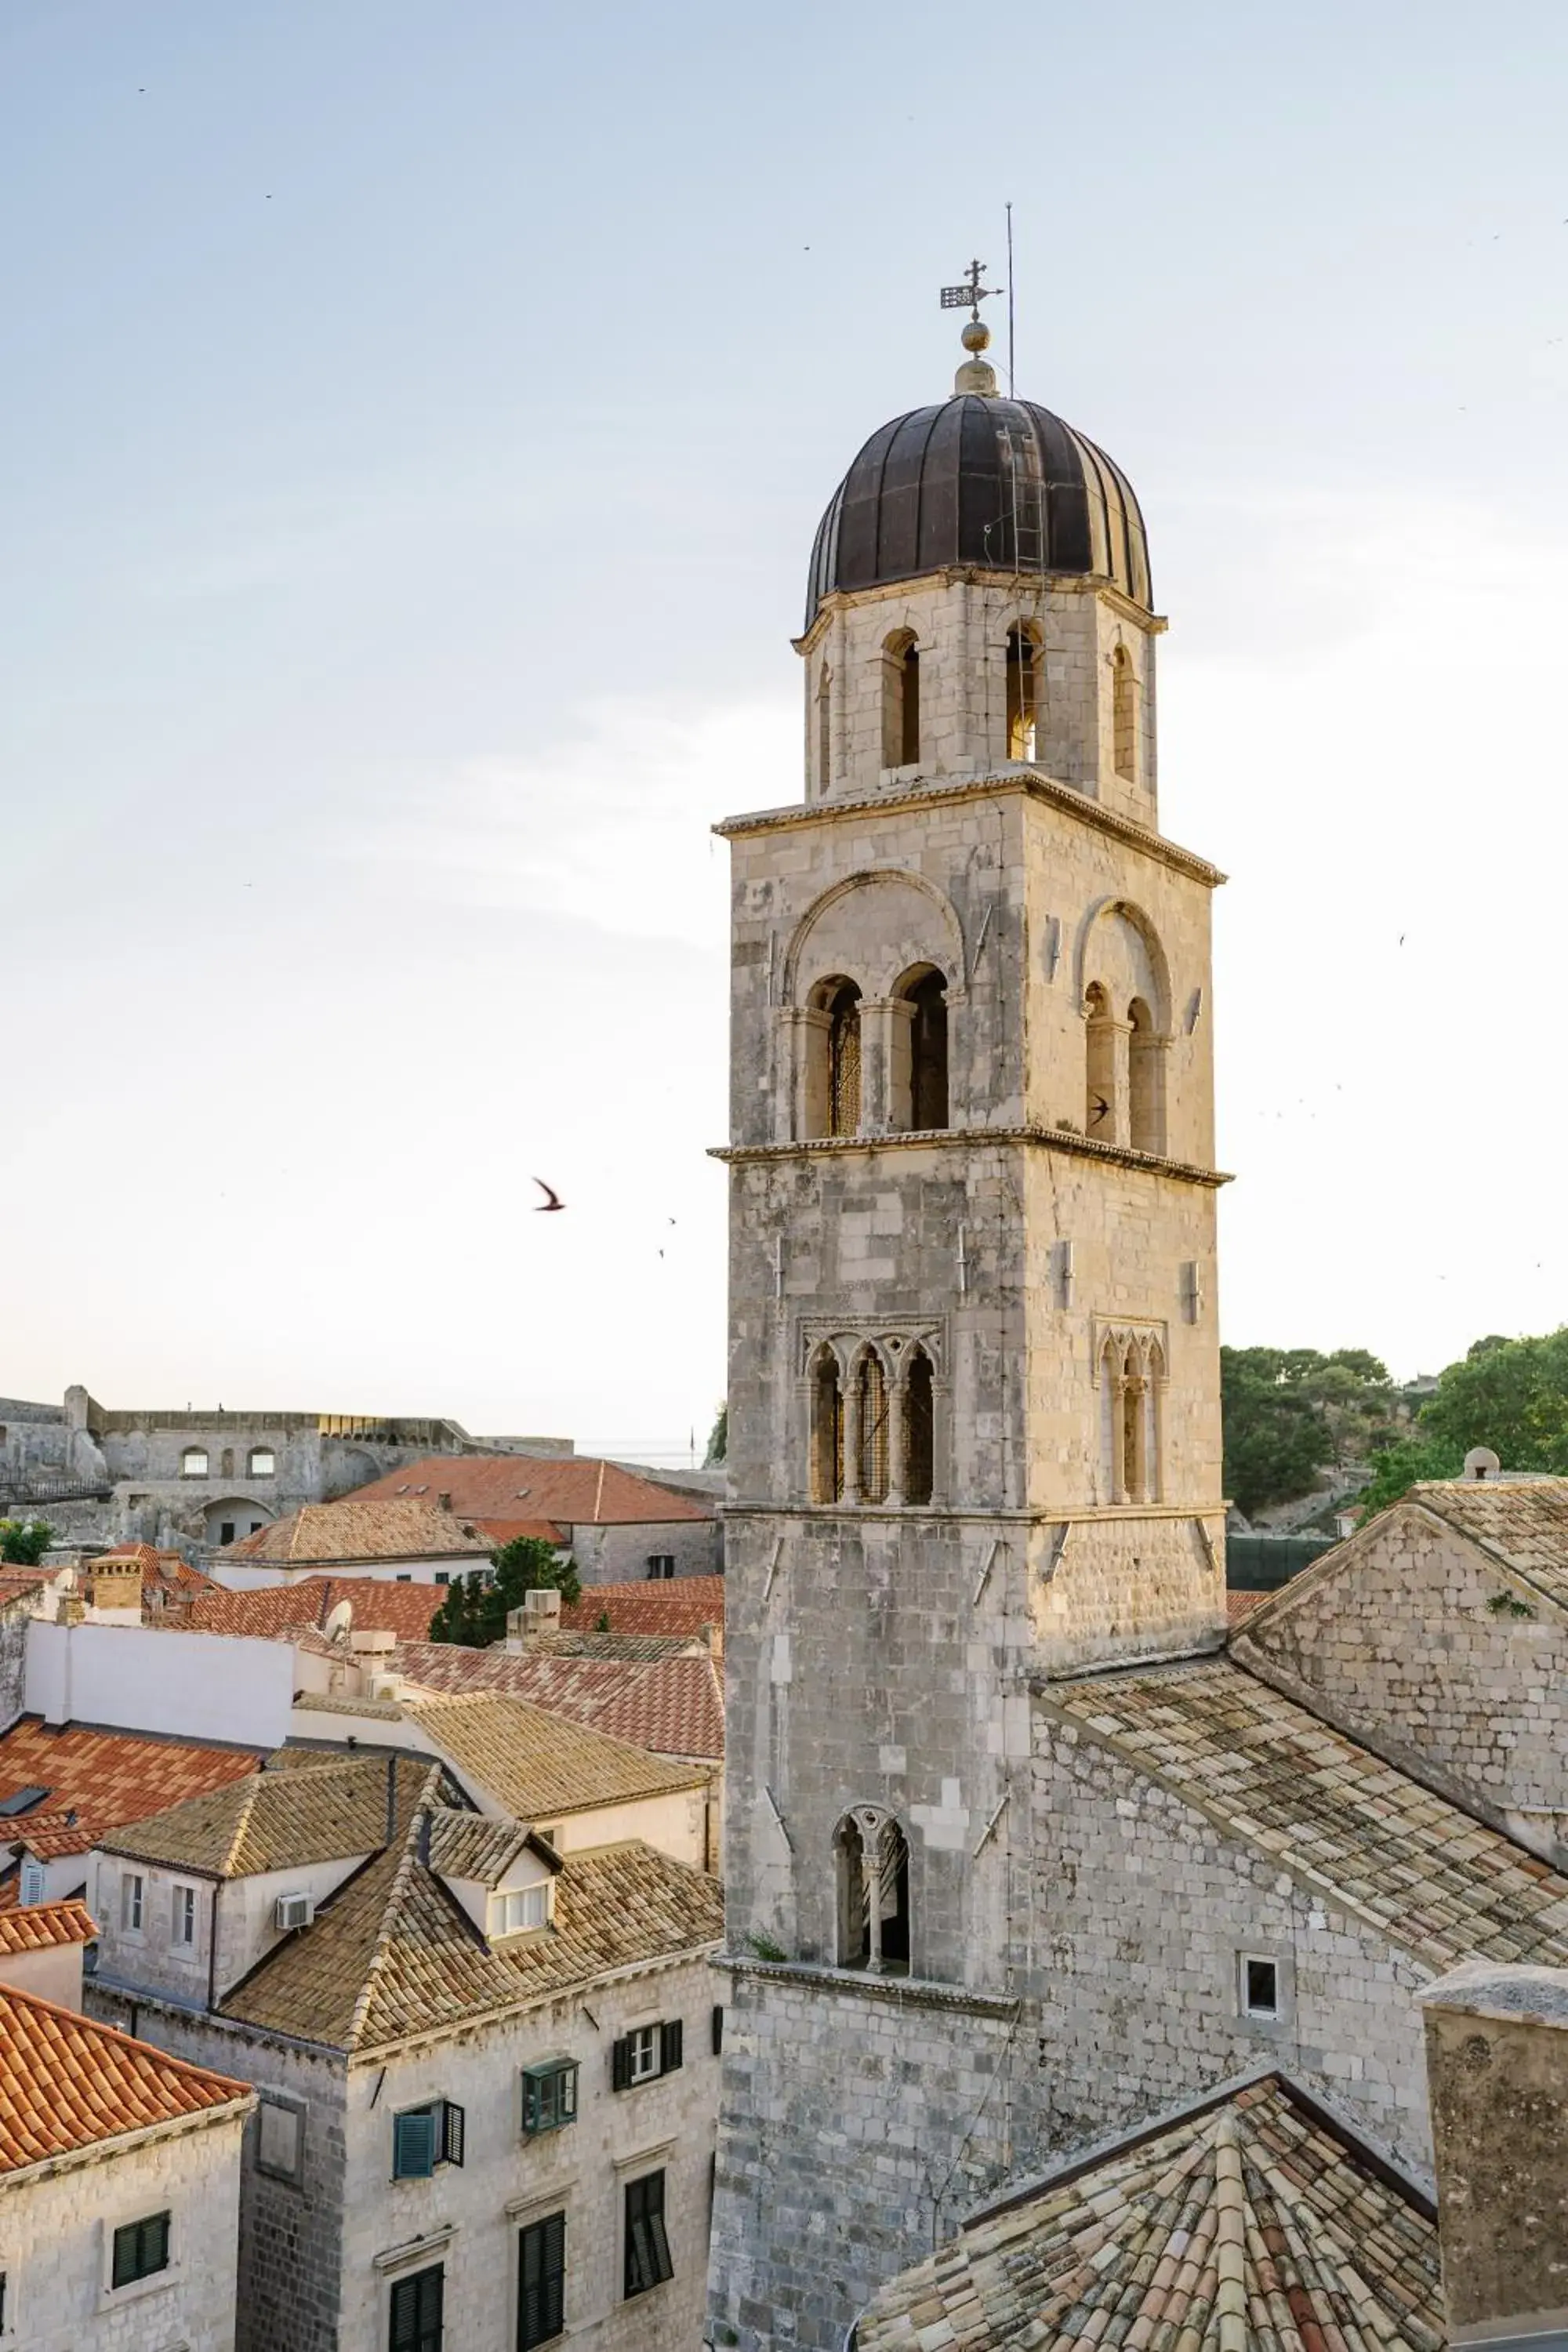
541 2273
621 2063
452 2126
414 2144
416 2311
671 2034
124 2269
155 2245
648 2261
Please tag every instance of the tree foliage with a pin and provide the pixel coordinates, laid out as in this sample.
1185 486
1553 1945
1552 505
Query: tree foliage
23 1542
1509 1394
717 1439
476 1608
1290 1413
1399 1466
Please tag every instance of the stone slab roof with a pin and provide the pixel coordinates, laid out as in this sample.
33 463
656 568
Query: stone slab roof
392 1954
273 1611
272 1820
1357 1831
1257 2211
537 1764
41 1927
363 1527
572 1490
97 1782
1524 1526
68 2084
669 1604
671 1701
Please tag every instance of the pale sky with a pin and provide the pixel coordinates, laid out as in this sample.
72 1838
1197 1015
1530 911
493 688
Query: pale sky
417 420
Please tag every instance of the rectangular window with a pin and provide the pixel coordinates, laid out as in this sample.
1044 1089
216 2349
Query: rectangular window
226 1532
35 1883
416 2311
140 2249
648 2261
184 1931
541 2283
1260 1987
661 1564
423 2137
132 1892
549 2095
646 2054
279 2140
442 1576
525 1907
717 2030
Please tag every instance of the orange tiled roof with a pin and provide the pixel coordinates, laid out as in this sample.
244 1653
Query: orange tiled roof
673 1704
574 1490
380 1605
41 1926
369 1526
1239 1604
67 2084
100 1780
165 1575
675 1604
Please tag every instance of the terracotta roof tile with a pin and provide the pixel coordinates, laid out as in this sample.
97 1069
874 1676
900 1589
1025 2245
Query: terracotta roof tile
39 1926
1239 1604
1435 1882
99 1781
378 1605
671 1701
366 1526
475 1845
392 1954
67 2084
671 1604
1128 2250
574 1490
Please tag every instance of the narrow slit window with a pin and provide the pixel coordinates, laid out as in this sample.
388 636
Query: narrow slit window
827 1430
920 1429
1125 714
844 1062
1023 676
900 701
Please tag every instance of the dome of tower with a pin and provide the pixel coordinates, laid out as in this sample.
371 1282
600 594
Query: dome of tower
982 483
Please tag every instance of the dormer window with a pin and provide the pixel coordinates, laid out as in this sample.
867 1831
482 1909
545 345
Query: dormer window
520 1908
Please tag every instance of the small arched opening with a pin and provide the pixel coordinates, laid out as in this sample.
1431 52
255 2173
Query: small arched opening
1125 715
1110 1423
871 1856
1145 1080
826 1428
919 1428
1024 666
871 1421
824 729
918 1078
1099 1119
831 1094
1133 1464
901 700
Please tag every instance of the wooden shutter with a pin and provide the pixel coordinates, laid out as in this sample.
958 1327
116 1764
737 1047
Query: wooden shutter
671 2035
452 2124
648 2261
414 2144
717 2030
621 2063
155 2245
541 2273
416 2311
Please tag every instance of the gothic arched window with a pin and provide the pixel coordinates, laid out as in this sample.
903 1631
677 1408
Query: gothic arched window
1023 689
844 1061
826 1428
872 1858
871 1397
901 700
1125 714
919 1429
1145 1080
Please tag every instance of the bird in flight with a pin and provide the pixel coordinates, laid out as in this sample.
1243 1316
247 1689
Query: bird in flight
1101 1111
551 1199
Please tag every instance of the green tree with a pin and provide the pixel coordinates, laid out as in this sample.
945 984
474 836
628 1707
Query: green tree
1509 1395
1400 1466
717 1440
23 1542
1290 1413
476 1608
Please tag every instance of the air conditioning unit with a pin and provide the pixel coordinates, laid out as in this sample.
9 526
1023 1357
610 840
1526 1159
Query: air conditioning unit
294 1911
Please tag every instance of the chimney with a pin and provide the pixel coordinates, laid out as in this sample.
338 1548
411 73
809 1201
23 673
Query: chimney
539 1613
443 1502
1497 2072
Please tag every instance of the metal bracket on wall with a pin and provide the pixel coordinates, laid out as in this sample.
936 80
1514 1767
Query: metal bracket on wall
1058 1548
986 1833
980 943
774 1808
1194 1007
772 1566
1052 946
985 1571
1207 1542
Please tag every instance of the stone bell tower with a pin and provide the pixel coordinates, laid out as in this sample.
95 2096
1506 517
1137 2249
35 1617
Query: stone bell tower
974 1426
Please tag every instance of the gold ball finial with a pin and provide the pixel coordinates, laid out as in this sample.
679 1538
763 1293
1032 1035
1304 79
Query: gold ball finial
976 336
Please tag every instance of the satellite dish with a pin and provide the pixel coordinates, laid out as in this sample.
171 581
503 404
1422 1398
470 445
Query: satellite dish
340 1618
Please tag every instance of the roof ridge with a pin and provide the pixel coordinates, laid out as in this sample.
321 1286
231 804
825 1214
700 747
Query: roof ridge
401 1879
250 1789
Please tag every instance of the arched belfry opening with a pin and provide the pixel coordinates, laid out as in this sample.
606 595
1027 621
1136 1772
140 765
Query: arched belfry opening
1024 668
901 700
872 1858
871 1427
919 1429
1145 1080
1099 1119
826 1428
831 1097
916 1091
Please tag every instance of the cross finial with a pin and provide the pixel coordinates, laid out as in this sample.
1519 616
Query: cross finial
969 296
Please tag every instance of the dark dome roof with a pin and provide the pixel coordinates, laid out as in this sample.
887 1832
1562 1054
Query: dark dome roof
992 485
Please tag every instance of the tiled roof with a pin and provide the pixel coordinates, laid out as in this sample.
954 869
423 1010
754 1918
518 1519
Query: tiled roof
100 1780
1525 1525
1362 1833
573 1490
536 1764
39 1926
1256 2211
273 1820
23 1583
671 1604
474 1845
1239 1604
166 1576
673 1702
392 1954
378 1605
67 2084
369 1526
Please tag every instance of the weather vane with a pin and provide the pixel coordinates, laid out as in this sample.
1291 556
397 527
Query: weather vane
970 295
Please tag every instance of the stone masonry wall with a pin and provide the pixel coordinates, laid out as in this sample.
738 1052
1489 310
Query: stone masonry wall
57 2234
1413 1642
620 1555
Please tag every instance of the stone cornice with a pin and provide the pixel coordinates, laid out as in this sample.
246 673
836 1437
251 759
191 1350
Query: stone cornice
1048 1139
969 575
1042 1514
1029 782
900 1992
